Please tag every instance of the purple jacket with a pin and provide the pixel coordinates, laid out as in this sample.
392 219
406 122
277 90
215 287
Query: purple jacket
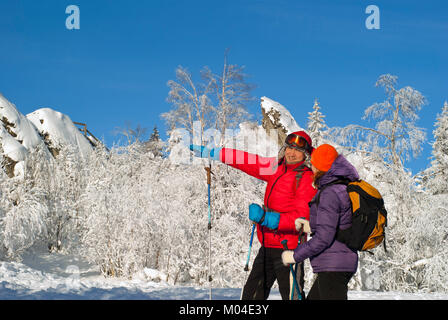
334 211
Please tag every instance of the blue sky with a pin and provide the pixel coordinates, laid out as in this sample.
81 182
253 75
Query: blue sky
115 68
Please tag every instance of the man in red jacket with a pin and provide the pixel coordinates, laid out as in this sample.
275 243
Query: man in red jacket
289 190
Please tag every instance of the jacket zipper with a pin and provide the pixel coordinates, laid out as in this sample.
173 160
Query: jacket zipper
273 185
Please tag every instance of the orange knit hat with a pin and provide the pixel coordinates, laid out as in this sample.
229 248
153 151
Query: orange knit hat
323 156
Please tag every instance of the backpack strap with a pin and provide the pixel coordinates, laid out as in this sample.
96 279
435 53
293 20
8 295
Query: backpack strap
300 170
317 198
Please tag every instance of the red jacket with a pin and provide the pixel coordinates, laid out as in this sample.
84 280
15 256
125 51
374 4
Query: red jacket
282 194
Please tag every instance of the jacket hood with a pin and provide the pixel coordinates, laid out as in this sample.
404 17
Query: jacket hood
340 169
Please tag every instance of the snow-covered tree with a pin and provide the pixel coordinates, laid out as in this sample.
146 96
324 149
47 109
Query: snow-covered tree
438 173
64 181
218 102
23 209
131 134
190 102
155 144
155 136
140 211
316 126
49 190
395 136
415 236
230 95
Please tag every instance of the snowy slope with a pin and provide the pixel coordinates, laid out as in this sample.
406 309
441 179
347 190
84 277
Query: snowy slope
46 276
60 130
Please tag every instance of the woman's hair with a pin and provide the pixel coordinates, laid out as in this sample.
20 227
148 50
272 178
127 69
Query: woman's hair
319 174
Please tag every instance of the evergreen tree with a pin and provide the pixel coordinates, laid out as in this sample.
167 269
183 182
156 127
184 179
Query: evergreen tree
155 144
316 124
438 182
155 136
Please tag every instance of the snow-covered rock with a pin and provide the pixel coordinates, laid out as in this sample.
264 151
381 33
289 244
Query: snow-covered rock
18 136
45 129
276 117
58 129
18 126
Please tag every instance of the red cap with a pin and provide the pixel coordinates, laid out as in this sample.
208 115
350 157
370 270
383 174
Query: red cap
304 135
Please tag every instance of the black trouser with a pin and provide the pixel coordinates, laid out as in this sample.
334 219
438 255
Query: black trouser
330 286
267 268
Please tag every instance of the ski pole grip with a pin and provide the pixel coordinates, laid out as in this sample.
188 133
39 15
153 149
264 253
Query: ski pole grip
209 177
285 245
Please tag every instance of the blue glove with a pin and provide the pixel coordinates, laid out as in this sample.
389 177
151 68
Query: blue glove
204 152
271 219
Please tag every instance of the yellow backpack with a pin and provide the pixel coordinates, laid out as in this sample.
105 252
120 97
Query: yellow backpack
369 216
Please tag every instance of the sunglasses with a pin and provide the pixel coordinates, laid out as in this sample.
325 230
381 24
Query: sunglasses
296 142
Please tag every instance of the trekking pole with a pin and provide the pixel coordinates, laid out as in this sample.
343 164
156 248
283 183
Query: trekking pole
209 182
246 267
285 246
296 265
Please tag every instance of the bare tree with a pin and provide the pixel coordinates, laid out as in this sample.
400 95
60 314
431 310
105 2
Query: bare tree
132 134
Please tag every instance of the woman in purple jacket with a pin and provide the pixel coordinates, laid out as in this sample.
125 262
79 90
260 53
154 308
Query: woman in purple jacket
333 261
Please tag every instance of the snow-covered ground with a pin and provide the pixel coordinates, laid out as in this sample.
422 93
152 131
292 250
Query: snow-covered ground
64 277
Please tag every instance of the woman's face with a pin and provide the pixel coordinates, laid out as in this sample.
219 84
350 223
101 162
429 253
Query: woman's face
293 156
314 169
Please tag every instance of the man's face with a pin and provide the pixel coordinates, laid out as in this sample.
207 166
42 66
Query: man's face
293 156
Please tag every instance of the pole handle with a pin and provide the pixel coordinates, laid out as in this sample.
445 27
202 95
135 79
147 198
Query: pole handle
295 283
209 176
